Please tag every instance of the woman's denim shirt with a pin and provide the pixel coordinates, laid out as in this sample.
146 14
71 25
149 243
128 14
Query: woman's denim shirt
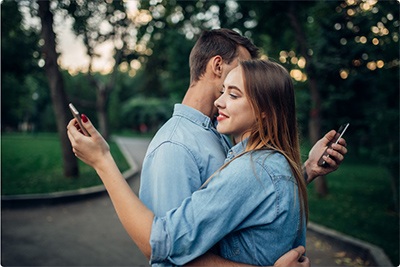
251 206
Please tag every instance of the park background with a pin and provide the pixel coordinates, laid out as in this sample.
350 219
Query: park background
125 63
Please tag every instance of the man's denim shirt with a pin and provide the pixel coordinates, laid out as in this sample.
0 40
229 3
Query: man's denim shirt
180 158
252 206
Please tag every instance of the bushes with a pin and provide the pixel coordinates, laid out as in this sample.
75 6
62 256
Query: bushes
145 114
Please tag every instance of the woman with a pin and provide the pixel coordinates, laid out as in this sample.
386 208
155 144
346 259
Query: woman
255 205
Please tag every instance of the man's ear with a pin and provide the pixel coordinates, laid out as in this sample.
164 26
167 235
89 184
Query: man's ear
216 63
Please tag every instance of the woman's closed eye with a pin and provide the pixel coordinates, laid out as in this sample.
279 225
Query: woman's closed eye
231 92
233 96
234 93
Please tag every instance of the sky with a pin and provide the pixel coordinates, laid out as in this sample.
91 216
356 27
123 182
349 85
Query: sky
73 52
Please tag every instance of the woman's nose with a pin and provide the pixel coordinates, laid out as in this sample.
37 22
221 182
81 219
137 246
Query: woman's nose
218 102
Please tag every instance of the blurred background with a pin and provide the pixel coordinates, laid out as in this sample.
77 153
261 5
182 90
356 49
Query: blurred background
125 64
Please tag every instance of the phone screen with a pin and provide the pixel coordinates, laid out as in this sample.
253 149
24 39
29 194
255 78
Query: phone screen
77 116
339 133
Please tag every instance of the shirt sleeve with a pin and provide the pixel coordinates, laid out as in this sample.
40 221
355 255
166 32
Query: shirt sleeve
169 175
211 213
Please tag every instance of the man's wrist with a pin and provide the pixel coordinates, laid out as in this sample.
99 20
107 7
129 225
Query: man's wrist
308 173
304 170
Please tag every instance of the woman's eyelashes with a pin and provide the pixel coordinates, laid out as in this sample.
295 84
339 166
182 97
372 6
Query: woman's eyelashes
231 94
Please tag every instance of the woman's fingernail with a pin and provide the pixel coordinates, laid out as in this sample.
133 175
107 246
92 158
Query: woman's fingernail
84 118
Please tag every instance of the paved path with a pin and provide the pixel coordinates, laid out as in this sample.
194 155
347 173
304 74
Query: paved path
85 231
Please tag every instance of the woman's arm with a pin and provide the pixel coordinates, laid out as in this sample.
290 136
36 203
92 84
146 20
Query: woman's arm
134 215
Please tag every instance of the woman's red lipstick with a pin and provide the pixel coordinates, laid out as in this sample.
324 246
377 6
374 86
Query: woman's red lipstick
221 116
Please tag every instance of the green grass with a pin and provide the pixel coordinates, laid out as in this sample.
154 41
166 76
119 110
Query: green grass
32 164
359 204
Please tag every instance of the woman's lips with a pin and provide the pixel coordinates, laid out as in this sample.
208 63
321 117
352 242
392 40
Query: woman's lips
221 116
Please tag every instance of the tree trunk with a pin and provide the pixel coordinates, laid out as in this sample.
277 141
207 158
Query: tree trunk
314 126
314 129
56 84
103 91
102 104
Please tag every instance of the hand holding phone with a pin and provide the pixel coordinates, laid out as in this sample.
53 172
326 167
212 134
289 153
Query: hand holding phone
77 116
335 140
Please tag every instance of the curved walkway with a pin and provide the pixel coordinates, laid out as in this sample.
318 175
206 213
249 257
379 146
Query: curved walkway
85 231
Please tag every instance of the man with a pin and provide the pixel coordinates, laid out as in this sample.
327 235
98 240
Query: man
188 149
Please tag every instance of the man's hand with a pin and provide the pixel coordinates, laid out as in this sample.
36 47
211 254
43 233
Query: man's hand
336 156
294 258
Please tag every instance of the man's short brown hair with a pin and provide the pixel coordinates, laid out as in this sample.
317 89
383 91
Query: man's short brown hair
222 42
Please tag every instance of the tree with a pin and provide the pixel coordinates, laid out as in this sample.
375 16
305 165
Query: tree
171 34
99 22
18 45
358 60
341 50
58 96
190 18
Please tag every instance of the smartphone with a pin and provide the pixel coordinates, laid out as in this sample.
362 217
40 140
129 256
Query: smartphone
335 140
77 116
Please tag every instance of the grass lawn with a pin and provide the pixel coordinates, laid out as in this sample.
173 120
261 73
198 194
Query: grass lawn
359 203
32 164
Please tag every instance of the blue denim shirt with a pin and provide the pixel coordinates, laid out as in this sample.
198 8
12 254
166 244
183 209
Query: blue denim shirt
252 206
180 158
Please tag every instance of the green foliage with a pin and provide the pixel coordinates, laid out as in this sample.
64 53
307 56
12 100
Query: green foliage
367 96
98 21
81 93
150 113
19 46
21 76
352 85
177 73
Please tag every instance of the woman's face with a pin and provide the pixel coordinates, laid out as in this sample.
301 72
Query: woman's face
236 116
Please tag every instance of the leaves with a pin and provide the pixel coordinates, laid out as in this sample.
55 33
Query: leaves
342 259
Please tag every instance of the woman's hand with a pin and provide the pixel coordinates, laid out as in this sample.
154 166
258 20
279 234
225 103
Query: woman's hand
294 258
336 156
94 151
90 149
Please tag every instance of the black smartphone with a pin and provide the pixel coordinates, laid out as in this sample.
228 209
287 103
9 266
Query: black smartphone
335 140
77 116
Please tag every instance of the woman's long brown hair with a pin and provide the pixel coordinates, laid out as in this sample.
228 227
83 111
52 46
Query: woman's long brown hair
270 91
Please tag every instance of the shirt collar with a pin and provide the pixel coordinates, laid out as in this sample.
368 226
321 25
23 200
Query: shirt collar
193 115
237 149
